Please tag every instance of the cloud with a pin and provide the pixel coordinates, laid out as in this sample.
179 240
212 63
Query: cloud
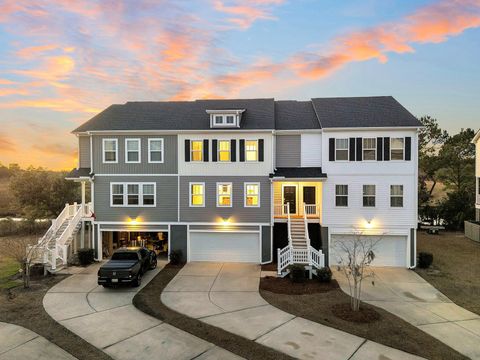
55 149
34 51
243 13
56 104
6 144
53 70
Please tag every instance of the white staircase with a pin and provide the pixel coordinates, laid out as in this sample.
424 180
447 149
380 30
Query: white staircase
53 248
298 250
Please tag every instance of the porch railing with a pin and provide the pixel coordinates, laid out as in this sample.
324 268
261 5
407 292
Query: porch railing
309 256
311 210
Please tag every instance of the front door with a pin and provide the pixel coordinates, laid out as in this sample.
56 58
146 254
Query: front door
309 195
290 197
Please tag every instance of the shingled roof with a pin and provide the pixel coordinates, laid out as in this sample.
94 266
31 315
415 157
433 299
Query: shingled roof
353 112
260 114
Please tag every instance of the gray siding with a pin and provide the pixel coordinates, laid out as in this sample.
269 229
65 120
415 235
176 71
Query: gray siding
84 151
325 250
266 244
237 213
178 240
166 200
413 235
288 151
477 216
169 165
221 227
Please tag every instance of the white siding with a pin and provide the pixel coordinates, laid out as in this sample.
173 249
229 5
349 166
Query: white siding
311 149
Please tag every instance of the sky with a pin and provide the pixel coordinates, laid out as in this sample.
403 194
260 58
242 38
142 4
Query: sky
63 61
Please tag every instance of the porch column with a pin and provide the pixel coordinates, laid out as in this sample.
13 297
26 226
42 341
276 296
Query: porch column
82 233
83 198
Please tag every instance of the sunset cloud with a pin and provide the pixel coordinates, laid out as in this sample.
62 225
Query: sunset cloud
243 13
6 144
33 51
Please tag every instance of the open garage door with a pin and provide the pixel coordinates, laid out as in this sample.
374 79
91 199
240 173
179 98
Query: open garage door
225 246
390 251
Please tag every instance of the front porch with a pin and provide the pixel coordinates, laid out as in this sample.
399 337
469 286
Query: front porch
297 199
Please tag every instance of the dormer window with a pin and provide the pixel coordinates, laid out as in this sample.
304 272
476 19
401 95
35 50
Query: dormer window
225 118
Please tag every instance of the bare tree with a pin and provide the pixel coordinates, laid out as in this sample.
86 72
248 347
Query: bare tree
354 254
23 252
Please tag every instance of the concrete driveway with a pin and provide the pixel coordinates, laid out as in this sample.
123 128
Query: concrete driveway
107 319
407 295
16 342
226 295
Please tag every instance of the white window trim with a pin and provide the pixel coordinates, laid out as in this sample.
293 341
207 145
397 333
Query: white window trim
139 151
403 149
191 151
335 196
140 194
229 152
231 194
190 193
348 150
150 161
258 151
245 194
374 196
374 149
116 150
224 123
397 196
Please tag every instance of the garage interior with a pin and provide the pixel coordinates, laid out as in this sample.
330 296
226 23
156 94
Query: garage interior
155 241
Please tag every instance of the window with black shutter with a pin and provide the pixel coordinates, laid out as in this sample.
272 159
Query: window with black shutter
379 149
359 149
408 148
386 148
352 149
331 149
260 150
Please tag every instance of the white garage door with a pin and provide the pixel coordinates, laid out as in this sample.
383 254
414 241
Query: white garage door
389 251
223 246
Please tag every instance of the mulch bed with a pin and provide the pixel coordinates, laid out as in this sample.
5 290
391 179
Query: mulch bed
148 301
286 286
24 307
331 308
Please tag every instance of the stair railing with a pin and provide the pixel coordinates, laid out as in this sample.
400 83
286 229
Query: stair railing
61 241
289 225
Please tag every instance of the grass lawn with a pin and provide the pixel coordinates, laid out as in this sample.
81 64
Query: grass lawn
8 268
456 267
388 329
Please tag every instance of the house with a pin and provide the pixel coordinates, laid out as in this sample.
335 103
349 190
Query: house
252 180
476 141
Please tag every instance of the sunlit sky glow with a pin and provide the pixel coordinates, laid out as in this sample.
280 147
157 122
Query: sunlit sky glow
63 61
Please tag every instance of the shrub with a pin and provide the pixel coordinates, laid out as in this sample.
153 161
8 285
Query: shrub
324 274
425 259
176 257
297 273
86 256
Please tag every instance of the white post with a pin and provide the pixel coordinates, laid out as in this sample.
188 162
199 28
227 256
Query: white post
278 262
83 198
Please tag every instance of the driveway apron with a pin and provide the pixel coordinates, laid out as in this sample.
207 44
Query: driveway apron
107 319
407 295
226 295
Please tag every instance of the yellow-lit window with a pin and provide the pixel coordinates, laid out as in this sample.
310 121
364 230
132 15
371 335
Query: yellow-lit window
252 194
224 150
196 149
197 194
224 194
251 150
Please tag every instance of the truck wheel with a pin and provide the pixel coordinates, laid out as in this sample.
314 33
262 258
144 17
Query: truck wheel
154 264
138 280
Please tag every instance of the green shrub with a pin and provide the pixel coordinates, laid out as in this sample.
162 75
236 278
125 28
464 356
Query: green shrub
297 273
425 259
324 274
176 257
86 256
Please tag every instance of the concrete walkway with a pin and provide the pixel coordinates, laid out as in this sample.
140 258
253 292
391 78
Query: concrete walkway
407 295
16 342
107 319
226 295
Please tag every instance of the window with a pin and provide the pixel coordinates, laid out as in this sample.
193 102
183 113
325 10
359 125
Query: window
396 148
132 150
197 194
252 195
396 195
155 150
224 194
133 194
224 120
196 150
218 119
369 195
230 119
370 149
117 194
148 194
110 150
251 150
341 195
224 150
341 149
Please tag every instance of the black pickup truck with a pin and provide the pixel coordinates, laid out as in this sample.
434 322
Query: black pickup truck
127 266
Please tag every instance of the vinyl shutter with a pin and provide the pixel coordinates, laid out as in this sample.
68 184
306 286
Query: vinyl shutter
242 150
331 149
386 148
379 149
214 150
408 148
260 150
233 150
187 150
351 148
205 150
359 149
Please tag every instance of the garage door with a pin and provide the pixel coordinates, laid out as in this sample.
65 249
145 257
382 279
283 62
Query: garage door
390 250
223 246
